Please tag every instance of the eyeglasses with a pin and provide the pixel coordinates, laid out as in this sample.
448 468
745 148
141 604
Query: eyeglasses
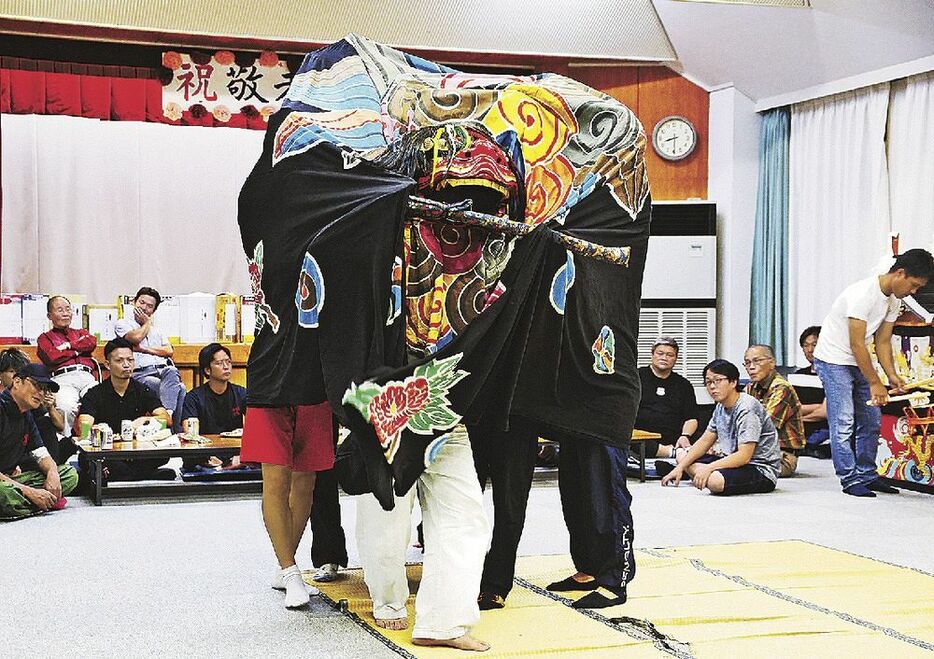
755 362
713 382
221 362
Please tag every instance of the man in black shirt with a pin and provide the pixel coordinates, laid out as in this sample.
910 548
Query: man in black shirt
118 398
49 419
813 403
218 404
25 493
668 405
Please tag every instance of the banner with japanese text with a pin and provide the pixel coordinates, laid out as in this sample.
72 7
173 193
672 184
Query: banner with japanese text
222 88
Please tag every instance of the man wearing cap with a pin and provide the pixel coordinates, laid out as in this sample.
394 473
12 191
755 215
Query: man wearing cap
49 419
668 405
26 493
66 352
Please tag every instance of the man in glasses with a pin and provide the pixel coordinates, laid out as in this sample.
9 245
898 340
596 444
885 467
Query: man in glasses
218 404
781 402
746 459
27 492
68 354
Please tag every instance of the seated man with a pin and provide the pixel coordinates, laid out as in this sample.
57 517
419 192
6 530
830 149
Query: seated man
747 457
668 405
813 413
780 401
67 353
153 366
28 492
218 404
49 419
118 398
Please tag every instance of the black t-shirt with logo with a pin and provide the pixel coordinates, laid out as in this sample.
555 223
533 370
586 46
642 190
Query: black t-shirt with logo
216 413
18 433
106 406
666 404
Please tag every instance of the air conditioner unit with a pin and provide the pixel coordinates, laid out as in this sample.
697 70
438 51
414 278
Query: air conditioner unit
679 287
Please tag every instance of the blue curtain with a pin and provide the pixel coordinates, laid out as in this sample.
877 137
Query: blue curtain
768 310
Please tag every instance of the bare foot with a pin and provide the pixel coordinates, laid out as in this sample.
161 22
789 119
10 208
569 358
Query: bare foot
392 623
465 642
581 577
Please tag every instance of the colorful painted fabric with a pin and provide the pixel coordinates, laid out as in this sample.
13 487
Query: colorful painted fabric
426 322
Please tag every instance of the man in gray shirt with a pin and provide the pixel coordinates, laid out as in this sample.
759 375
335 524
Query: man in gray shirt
739 452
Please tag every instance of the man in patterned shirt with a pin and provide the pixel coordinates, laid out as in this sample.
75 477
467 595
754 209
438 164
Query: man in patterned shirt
780 401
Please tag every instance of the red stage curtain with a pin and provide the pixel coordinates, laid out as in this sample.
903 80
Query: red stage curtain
5 101
62 94
128 99
95 97
27 92
98 97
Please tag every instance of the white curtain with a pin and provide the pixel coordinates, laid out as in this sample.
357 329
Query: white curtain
838 216
102 208
911 161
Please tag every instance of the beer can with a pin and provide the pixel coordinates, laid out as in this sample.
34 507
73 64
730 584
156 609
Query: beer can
107 438
193 426
126 430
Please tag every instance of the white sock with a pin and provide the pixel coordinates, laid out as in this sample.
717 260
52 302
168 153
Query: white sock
277 583
296 592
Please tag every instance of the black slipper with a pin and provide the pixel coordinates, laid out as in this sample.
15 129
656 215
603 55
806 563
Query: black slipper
879 486
489 601
598 601
572 584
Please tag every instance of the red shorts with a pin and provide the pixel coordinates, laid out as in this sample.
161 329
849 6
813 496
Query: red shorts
300 437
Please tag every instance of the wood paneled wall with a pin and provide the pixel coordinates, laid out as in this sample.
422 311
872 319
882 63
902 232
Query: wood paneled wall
654 92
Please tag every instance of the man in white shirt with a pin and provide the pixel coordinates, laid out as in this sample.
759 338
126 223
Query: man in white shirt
152 349
864 312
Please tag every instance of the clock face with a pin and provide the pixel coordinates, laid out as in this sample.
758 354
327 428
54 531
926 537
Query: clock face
674 138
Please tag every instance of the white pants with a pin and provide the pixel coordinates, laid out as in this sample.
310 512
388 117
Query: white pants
72 386
457 537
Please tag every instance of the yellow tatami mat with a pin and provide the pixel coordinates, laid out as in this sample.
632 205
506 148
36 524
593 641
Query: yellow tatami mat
775 599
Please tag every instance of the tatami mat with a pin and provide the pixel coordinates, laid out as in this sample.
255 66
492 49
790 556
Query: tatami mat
776 599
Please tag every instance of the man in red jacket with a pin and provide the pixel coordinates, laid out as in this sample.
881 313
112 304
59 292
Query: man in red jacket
66 352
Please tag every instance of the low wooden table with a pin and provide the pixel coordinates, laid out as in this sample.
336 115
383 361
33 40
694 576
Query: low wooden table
222 447
638 439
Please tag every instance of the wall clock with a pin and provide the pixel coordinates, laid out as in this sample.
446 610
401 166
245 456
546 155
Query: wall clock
674 138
